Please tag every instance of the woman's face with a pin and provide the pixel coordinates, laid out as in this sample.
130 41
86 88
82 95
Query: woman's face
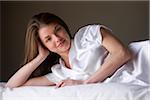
55 38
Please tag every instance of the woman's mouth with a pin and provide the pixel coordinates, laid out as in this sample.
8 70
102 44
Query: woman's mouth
61 43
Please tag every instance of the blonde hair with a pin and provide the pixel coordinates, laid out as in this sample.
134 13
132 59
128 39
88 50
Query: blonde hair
32 38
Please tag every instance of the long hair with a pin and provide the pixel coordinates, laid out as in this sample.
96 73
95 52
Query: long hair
32 38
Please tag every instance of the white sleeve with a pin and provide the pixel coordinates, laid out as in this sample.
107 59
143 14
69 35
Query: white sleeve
53 78
56 75
89 35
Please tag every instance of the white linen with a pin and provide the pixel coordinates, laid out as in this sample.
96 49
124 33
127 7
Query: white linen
104 91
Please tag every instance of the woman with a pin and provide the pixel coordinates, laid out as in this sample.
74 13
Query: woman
92 56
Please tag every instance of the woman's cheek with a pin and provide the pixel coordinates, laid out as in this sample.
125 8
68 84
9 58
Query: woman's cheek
50 47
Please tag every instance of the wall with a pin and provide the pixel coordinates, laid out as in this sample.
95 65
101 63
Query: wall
0 46
128 20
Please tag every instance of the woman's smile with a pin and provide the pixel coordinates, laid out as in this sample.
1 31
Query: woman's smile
61 43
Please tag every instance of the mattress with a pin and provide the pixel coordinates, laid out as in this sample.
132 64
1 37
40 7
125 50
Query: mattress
98 91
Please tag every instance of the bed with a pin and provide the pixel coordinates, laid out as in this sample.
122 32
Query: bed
98 91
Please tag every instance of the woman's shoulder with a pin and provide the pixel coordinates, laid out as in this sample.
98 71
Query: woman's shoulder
90 29
86 29
88 35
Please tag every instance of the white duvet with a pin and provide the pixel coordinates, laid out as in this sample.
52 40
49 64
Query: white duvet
99 91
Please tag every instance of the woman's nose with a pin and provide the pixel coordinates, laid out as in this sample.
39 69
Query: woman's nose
58 39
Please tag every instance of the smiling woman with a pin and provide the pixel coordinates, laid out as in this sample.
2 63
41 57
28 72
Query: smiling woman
55 38
94 55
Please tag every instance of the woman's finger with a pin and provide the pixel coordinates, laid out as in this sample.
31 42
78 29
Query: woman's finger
59 84
63 84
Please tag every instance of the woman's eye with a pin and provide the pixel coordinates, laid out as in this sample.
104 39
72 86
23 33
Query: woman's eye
59 28
48 39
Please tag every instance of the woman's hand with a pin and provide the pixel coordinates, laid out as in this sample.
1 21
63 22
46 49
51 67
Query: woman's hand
42 51
68 82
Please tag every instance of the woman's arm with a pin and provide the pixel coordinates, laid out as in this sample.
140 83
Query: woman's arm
22 75
39 81
118 55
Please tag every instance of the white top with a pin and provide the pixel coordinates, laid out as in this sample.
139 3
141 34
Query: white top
87 55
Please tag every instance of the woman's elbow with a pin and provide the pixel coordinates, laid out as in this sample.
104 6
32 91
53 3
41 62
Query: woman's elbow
12 84
8 85
126 54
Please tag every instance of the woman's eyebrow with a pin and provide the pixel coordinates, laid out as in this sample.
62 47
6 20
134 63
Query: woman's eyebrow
56 27
46 37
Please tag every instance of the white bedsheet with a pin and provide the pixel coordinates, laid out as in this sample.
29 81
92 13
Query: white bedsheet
103 91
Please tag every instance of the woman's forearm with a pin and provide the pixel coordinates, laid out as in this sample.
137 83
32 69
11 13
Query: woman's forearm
111 64
21 76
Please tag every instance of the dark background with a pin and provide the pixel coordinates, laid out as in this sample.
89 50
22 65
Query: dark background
129 21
